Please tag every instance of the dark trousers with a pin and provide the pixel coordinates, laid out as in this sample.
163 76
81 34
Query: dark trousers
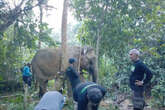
138 100
27 80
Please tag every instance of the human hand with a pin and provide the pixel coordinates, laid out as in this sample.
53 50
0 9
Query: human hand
139 83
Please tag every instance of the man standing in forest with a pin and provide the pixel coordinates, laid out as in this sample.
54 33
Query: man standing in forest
137 79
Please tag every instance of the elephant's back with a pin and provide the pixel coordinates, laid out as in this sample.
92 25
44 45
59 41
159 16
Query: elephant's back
47 62
73 52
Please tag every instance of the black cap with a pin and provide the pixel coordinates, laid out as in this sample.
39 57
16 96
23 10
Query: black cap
94 95
71 60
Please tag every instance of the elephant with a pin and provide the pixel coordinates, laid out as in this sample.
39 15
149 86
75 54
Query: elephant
46 64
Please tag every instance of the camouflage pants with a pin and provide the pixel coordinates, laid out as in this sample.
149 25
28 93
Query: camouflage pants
138 100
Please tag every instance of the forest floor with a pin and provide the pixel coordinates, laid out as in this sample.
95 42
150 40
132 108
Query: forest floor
106 104
124 105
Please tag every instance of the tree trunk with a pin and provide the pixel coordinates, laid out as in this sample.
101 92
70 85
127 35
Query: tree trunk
97 54
25 96
39 42
64 35
64 42
40 28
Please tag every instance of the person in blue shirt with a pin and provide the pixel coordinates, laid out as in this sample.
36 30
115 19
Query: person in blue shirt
27 74
140 76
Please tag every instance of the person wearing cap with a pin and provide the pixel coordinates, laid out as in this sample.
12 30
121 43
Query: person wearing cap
72 74
88 93
138 80
51 100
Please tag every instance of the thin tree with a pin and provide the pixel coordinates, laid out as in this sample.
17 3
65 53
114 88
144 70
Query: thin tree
40 29
64 40
64 35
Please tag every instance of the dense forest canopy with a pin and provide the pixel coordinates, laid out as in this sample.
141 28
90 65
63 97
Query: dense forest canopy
111 27
122 25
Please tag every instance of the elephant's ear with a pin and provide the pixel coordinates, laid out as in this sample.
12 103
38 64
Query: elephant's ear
88 52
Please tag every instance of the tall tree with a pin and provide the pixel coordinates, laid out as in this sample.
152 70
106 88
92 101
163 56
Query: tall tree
40 26
64 34
9 15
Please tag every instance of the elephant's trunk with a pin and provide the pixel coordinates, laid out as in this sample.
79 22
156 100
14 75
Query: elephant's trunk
93 72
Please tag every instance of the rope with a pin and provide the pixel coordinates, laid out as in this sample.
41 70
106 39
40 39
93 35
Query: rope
79 57
79 60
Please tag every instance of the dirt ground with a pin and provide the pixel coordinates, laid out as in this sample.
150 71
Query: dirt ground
125 105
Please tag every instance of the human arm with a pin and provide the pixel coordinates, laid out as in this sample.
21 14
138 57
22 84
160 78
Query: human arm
103 90
139 83
148 75
146 71
74 72
29 71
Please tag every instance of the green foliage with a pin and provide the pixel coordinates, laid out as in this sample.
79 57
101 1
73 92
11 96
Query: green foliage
159 90
8 53
19 43
123 25
19 106
69 105
112 107
44 36
12 106
13 102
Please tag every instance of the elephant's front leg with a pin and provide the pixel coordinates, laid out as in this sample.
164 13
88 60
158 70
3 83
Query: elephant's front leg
43 88
58 83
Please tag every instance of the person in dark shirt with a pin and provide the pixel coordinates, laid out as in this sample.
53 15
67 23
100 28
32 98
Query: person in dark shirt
88 94
85 93
140 76
72 74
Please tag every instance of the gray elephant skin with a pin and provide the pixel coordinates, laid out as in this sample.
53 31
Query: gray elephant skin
46 64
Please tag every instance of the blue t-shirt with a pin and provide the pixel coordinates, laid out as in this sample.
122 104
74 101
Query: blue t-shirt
26 71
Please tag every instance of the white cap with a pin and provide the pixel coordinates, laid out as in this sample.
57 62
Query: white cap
135 51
